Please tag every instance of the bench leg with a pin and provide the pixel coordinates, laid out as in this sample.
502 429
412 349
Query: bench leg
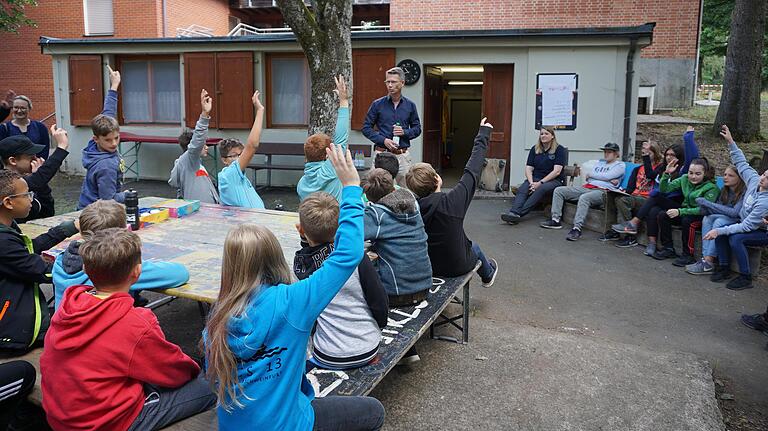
203 312
446 320
162 301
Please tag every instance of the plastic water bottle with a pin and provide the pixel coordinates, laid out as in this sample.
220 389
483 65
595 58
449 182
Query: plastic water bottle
396 139
132 216
359 162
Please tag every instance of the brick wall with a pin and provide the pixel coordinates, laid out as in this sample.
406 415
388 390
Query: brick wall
213 14
674 36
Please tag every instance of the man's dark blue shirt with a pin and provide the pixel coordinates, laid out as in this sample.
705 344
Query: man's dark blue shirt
383 115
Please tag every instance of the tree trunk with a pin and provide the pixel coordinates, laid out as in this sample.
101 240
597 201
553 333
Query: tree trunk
740 102
324 34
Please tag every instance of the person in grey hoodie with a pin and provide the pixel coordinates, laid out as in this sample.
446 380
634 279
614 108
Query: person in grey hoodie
394 226
750 231
348 331
188 176
605 175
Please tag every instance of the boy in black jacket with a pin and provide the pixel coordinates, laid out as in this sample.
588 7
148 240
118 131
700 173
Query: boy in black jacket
451 252
24 314
17 154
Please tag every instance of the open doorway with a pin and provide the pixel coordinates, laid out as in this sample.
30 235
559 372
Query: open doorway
455 99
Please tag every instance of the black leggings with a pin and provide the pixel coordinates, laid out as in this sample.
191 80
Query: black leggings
18 379
688 225
650 210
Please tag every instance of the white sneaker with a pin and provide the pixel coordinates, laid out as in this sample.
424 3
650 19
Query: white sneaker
495 265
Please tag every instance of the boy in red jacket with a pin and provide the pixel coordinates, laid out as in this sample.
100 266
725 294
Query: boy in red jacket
105 363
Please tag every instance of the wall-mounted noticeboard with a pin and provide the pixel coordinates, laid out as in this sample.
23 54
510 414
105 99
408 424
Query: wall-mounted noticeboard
556 100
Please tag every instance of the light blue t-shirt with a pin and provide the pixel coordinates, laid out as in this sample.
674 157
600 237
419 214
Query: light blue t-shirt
236 190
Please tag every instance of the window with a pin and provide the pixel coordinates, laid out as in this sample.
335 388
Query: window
228 78
86 91
98 18
151 90
288 86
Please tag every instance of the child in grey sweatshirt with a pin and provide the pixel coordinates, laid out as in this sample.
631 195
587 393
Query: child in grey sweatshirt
189 176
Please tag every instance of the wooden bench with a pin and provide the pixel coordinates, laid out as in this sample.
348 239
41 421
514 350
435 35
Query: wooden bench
404 327
132 151
270 149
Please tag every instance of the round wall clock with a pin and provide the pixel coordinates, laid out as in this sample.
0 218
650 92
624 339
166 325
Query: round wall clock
412 71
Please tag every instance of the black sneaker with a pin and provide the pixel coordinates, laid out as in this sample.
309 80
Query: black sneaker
720 275
629 241
138 300
609 236
684 260
489 282
411 357
551 224
573 235
742 282
511 218
756 322
664 253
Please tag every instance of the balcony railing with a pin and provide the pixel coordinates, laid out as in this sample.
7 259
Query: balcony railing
249 30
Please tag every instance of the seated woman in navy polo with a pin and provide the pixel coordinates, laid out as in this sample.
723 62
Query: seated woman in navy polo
542 175
21 124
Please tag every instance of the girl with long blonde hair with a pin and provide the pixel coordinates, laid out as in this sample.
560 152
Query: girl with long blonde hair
256 338
543 173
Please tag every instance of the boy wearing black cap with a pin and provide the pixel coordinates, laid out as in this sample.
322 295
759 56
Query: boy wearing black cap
18 154
605 175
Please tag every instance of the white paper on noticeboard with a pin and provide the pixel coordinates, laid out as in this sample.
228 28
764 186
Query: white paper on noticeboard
557 99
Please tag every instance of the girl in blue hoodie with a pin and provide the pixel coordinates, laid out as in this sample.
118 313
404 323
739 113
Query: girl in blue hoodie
749 231
256 338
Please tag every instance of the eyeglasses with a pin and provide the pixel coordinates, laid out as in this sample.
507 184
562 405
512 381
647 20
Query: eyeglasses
30 195
232 156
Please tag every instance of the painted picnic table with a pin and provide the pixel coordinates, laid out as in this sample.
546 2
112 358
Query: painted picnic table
196 241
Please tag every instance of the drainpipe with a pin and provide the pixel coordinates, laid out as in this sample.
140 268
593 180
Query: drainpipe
628 97
165 18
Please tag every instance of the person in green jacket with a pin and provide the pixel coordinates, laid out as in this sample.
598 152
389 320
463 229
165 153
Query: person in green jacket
699 183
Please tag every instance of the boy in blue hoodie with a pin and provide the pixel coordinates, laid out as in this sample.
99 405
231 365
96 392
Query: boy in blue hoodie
103 163
319 175
68 268
394 226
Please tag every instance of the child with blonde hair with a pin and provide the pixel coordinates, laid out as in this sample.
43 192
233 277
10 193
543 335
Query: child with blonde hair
256 337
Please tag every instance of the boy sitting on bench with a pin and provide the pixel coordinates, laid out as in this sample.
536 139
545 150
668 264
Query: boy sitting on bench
605 175
319 175
450 251
348 331
189 177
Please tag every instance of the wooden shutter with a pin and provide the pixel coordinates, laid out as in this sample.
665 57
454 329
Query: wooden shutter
498 80
86 88
234 87
199 74
368 69
99 18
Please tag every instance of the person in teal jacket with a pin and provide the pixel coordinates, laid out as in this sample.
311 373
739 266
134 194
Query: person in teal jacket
68 267
319 175
257 333
235 189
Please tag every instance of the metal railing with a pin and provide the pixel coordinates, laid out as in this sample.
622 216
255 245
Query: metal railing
243 29
194 30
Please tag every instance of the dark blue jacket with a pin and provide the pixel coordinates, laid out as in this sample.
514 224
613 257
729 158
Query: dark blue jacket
383 115
36 132
104 177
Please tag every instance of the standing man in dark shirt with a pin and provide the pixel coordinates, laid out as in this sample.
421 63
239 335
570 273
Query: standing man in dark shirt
396 122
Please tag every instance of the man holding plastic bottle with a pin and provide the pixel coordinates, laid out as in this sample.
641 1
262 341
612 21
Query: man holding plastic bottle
396 122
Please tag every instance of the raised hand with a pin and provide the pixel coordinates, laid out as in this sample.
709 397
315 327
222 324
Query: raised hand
206 102
8 101
114 79
256 102
36 163
483 123
343 164
60 136
341 90
671 167
726 134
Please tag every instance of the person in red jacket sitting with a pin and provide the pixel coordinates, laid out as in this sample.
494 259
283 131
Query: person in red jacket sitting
107 365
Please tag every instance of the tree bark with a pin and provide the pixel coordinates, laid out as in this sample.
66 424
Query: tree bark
740 103
324 34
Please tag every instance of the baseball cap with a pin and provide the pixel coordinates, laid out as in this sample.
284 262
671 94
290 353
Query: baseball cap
17 145
610 147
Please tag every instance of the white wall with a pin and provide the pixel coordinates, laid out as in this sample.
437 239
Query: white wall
601 72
